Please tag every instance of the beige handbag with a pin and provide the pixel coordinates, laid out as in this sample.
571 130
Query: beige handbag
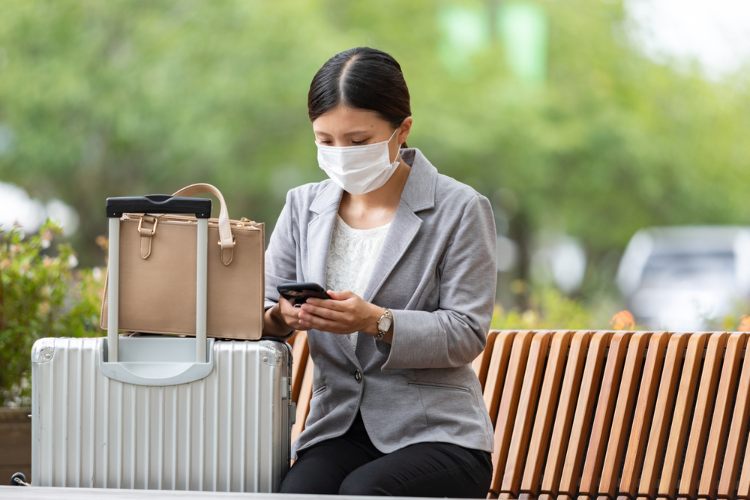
157 273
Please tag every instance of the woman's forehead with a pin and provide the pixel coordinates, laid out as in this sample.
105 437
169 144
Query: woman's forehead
345 119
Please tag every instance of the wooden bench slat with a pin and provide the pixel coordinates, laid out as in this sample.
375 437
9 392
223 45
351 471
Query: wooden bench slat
585 407
678 433
701 424
743 488
528 400
640 427
496 372
481 363
626 402
604 414
545 414
300 353
717 437
303 403
571 384
508 406
661 418
737 432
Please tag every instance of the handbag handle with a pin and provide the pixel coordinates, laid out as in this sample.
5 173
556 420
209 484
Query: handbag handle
226 240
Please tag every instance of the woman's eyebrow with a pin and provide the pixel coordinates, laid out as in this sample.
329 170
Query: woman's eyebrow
347 134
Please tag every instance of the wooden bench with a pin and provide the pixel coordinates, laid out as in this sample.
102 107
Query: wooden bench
608 413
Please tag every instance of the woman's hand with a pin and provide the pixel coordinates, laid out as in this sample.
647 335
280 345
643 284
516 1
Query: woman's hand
281 319
344 312
289 314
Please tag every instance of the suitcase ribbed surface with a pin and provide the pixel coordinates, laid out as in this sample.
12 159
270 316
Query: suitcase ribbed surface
226 432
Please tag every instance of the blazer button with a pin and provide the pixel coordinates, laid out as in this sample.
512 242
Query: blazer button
358 376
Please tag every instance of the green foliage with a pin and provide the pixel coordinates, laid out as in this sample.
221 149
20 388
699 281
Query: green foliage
549 310
127 97
41 295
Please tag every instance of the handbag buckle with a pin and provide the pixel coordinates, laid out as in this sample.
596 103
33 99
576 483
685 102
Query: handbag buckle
230 245
226 253
147 231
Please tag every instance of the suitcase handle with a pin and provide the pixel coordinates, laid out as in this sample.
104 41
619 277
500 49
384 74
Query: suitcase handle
160 204
143 204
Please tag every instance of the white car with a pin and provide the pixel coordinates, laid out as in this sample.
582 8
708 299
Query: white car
686 277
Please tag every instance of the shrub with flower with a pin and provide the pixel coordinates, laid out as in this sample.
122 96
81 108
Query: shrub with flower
42 294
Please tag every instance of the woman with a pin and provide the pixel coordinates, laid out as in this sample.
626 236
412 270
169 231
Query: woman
408 258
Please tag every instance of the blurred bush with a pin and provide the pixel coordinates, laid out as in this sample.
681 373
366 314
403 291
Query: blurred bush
41 295
548 309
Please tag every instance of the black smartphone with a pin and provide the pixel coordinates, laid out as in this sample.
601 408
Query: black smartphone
298 293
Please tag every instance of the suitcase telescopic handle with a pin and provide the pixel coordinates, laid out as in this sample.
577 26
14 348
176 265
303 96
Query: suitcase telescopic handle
161 204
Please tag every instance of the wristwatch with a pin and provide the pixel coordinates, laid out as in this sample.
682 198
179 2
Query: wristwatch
384 324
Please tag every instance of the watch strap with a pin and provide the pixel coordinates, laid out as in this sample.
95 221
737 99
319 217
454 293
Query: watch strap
381 333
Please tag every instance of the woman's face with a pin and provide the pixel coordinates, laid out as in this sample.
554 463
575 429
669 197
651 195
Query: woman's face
344 126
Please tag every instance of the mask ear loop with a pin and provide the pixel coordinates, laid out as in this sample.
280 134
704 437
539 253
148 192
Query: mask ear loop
397 160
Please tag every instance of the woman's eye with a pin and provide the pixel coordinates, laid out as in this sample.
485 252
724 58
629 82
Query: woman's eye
359 143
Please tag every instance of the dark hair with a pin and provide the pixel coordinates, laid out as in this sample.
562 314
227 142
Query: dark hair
362 78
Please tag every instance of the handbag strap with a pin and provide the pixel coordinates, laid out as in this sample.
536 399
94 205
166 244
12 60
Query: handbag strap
226 240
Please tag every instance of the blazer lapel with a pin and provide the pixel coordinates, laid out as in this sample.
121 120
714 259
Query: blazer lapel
403 229
320 230
418 194
319 233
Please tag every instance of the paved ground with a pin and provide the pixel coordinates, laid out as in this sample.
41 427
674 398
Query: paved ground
40 493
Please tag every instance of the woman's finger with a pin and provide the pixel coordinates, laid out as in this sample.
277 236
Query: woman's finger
336 305
289 313
287 304
324 325
342 295
322 312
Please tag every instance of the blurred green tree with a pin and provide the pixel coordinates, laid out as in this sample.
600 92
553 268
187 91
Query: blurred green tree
124 97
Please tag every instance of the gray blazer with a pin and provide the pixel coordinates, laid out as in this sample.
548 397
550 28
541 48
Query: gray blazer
437 274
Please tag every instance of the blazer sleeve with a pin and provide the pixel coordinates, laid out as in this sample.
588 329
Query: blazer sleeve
281 254
455 333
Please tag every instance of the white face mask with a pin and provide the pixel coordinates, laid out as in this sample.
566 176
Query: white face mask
358 169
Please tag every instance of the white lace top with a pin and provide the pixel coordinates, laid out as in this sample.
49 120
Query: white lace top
351 258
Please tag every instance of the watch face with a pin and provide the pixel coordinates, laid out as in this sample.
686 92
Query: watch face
384 324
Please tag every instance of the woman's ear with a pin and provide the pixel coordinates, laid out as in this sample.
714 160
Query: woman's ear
405 129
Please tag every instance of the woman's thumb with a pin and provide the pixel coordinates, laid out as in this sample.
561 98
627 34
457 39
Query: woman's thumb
338 295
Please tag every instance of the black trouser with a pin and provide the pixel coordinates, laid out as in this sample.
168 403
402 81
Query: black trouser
351 465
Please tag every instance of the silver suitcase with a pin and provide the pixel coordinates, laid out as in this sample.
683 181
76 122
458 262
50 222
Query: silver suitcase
150 412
